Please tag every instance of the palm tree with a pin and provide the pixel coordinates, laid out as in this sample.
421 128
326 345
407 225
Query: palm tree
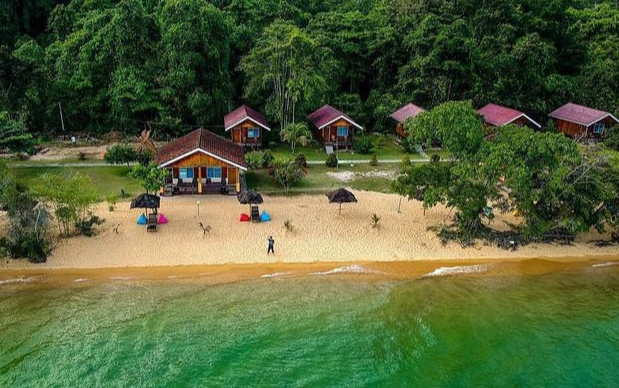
294 133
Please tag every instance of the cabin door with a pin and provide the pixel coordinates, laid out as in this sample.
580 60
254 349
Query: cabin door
236 135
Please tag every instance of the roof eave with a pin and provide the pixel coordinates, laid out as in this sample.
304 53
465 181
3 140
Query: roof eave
186 154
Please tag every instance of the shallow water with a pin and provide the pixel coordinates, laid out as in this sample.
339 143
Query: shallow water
455 330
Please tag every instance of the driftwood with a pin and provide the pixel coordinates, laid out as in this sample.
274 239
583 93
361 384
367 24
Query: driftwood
205 229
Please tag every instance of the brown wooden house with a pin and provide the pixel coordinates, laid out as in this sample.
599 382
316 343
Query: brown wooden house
202 163
333 127
496 116
581 122
246 126
406 112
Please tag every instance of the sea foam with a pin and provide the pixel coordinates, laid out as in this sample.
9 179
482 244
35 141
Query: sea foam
18 280
275 274
355 268
80 280
462 269
607 264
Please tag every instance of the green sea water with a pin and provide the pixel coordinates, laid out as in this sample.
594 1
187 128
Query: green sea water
489 330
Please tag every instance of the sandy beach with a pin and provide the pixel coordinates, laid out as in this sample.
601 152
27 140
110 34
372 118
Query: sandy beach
320 235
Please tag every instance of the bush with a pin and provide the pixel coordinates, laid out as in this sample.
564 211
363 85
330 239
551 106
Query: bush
253 160
267 158
408 145
373 160
611 140
29 245
85 226
288 225
120 154
331 161
364 145
301 160
112 199
81 156
406 161
435 158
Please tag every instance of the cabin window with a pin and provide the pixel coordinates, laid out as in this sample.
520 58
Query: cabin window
342 131
186 172
253 133
213 172
598 128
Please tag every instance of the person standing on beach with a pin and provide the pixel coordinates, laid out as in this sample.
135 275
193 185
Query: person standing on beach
271 245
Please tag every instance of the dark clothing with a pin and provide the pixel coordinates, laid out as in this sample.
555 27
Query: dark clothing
271 246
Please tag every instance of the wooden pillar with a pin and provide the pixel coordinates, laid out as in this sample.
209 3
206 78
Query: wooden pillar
199 180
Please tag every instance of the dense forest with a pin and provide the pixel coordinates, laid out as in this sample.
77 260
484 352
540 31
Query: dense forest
176 64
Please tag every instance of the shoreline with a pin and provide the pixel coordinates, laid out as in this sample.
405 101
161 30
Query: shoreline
212 274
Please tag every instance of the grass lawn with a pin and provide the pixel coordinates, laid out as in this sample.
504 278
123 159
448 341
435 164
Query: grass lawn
105 179
390 150
318 179
444 154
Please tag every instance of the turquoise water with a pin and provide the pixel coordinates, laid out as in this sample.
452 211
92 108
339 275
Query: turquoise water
557 330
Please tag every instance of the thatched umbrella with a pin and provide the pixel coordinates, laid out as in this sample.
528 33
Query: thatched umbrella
341 196
249 197
146 201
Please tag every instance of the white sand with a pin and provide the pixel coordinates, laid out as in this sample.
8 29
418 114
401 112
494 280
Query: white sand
320 234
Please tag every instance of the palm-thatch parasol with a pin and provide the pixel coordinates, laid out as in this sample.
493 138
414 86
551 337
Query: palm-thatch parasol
341 196
249 197
146 201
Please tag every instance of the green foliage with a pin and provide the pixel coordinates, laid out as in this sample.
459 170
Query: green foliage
151 177
14 136
254 160
611 138
406 161
287 173
435 158
85 226
296 133
289 67
112 200
70 196
301 160
364 145
331 161
373 160
120 154
267 158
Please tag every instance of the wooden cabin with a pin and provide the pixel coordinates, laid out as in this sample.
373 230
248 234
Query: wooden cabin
202 163
333 128
496 116
406 112
581 122
246 126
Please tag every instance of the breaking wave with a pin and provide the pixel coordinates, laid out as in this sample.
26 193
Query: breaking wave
275 274
607 264
462 269
18 280
355 268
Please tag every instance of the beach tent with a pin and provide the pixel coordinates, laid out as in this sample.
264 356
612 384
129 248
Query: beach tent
265 216
142 220
244 218
162 219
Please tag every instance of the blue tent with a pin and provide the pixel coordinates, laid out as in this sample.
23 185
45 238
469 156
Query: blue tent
142 220
265 217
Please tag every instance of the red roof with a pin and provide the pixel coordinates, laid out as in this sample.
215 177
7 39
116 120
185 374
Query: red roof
328 114
202 140
406 112
499 116
243 113
579 114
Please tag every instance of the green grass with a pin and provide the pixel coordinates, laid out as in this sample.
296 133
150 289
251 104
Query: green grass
105 179
317 180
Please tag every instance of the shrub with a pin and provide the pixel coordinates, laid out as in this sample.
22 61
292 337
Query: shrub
331 161
611 138
29 245
254 160
288 225
435 158
406 161
301 160
120 154
81 156
373 160
364 145
112 199
267 158
288 173
85 227
375 220
408 145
